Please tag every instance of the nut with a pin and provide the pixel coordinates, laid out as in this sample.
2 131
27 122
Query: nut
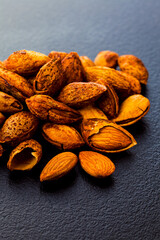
91 111
9 104
86 61
59 166
96 164
106 59
46 108
55 55
105 136
25 156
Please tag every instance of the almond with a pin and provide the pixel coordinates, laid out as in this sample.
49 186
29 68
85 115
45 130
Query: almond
55 55
59 166
79 94
91 111
96 164
106 59
86 61
9 104
25 156
2 118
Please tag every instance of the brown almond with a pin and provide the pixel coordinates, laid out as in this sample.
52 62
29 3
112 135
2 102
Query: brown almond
124 85
25 156
62 136
46 108
96 164
134 66
79 94
106 59
109 101
72 68
86 61
1 150
50 78
25 62
18 127
105 136
9 104
132 109
59 166
2 118
91 111
15 85
55 55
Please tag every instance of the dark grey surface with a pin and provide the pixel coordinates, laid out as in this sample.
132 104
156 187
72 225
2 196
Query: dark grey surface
126 205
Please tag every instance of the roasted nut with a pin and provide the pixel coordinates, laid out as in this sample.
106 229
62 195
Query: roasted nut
25 156
105 136
106 59
18 127
46 108
132 109
25 62
1 150
9 104
62 136
134 66
72 68
55 55
2 118
59 166
91 111
50 78
15 85
96 164
109 101
86 61
79 94
124 85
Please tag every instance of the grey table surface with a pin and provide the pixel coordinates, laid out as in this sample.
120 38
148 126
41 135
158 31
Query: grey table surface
126 205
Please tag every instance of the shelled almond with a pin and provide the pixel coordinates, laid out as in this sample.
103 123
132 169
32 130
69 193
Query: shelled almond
71 101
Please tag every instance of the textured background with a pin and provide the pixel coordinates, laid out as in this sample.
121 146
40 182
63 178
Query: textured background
126 205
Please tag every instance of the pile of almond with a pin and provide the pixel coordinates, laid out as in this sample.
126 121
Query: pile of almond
76 101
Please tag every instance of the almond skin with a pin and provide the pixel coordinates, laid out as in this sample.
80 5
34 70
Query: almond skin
2 118
132 110
106 59
25 62
79 94
9 104
18 127
91 111
55 55
96 164
133 66
46 108
59 166
86 61
62 136
15 85
106 136
25 156
50 78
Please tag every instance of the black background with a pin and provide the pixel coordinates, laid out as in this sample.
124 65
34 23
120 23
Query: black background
126 205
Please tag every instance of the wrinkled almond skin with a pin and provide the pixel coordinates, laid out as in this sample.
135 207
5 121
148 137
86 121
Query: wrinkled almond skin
105 136
91 111
106 59
73 68
25 62
55 55
50 78
46 108
1 64
25 156
15 85
59 166
132 109
133 66
9 104
123 84
79 94
62 136
1 150
96 164
2 118
86 61
18 127
109 102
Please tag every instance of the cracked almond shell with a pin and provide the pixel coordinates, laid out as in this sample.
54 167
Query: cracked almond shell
91 111
105 136
107 59
18 127
25 156
46 108
25 62
62 136
132 109
9 104
79 94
